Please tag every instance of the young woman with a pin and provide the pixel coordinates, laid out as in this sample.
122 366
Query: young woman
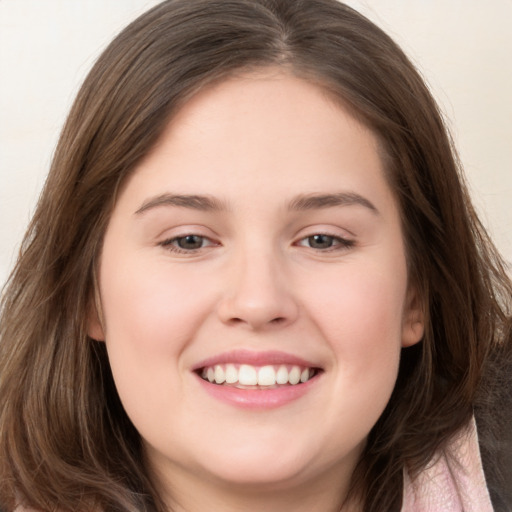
254 281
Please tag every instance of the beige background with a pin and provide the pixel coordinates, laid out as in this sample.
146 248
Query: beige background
462 47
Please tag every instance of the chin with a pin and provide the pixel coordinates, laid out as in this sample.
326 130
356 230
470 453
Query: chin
275 465
273 474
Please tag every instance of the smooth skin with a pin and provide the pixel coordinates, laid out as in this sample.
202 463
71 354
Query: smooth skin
242 267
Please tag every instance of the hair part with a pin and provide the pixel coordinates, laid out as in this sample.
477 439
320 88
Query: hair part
65 440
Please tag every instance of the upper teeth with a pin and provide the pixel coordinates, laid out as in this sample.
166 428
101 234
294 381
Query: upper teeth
248 375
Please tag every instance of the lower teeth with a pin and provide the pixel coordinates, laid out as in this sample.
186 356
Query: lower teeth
241 386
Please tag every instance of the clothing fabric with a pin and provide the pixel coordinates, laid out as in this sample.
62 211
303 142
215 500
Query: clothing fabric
453 481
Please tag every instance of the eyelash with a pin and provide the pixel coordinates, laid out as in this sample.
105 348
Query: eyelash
337 243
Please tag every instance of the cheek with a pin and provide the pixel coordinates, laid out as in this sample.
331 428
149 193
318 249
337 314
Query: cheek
359 302
361 318
152 309
152 313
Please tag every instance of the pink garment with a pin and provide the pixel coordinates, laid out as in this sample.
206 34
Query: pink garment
453 481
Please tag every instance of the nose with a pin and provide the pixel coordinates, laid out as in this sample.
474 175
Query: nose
258 294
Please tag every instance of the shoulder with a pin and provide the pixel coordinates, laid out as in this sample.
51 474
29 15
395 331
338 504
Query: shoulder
493 414
453 480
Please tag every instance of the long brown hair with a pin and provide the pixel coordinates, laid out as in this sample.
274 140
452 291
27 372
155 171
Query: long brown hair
65 441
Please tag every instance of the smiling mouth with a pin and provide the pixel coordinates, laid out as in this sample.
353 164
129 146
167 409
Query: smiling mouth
245 376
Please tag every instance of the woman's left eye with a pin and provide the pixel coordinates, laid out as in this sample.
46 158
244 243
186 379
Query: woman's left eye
324 242
187 243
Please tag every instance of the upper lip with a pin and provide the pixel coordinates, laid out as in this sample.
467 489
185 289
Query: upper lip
253 358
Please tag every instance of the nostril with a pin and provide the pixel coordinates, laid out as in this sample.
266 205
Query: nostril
280 320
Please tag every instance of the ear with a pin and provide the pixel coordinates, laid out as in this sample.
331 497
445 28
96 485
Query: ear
94 327
95 322
413 326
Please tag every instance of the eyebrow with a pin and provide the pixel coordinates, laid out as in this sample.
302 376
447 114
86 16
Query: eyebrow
194 202
320 201
299 203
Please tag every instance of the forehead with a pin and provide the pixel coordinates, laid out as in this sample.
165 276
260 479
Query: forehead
259 132
279 94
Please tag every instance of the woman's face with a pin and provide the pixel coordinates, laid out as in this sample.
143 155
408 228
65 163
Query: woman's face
258 245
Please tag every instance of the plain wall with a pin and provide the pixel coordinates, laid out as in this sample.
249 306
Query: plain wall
462 47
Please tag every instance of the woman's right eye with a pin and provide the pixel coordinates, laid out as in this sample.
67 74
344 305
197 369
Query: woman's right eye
187 243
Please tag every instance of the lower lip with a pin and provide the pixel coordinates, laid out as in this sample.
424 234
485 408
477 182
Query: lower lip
258 398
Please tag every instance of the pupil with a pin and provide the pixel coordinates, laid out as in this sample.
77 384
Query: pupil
190 242
320 241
